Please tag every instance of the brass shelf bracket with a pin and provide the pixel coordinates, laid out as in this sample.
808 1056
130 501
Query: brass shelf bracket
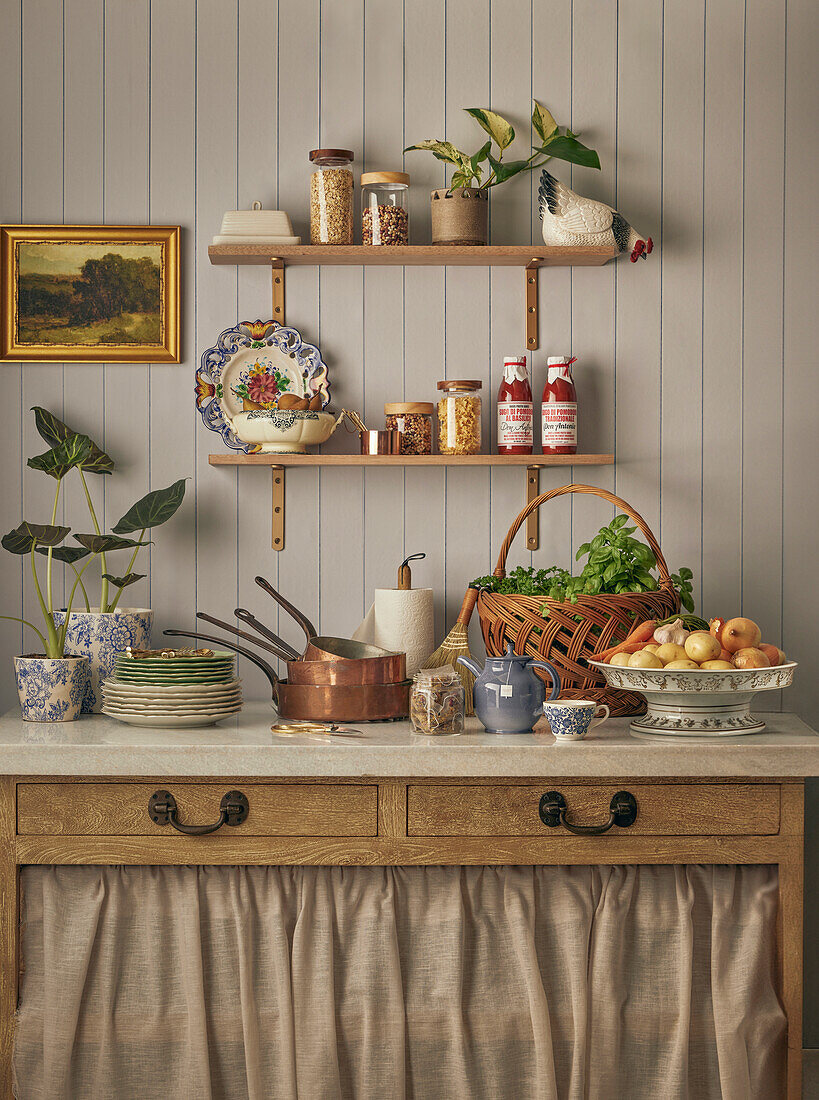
532 520
531 276
277 273
277 524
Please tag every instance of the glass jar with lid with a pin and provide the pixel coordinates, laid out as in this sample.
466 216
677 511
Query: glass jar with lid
414 420
331 197
437 701
459 417
384 213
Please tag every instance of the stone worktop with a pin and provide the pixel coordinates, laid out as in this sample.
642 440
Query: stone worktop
245 746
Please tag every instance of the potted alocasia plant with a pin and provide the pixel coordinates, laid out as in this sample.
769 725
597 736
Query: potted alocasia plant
460 211
100 630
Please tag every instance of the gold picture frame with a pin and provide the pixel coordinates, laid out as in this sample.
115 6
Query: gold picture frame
89 293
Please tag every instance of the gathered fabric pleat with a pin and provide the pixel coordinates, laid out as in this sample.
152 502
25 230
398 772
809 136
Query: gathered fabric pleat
413 983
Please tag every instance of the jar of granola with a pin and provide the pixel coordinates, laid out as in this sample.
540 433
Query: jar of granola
331 197
459 417
437 701
414 420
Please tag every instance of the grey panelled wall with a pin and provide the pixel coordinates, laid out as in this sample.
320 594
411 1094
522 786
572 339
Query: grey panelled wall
696 367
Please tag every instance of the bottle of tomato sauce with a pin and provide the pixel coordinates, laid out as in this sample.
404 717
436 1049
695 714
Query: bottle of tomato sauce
559 408
515 435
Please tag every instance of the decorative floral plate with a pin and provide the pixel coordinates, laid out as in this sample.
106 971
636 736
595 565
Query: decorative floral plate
248 368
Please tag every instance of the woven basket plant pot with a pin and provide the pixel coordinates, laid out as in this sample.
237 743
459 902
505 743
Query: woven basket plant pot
573 632
460 216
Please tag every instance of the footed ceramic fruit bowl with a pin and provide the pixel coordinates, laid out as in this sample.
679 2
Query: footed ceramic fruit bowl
696 702
284 431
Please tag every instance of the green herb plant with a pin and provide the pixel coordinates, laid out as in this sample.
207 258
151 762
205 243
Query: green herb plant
485 169
616 562
69 451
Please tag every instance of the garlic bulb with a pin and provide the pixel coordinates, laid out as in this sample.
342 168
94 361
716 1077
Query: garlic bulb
672 632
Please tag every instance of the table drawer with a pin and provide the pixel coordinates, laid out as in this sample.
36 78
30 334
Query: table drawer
121 809
506 809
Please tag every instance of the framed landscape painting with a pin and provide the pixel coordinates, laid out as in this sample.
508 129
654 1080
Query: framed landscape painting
90 293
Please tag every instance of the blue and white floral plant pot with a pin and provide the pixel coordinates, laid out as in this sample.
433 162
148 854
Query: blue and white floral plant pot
100 637
51 689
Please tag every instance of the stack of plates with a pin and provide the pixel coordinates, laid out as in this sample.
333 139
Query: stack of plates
182 692
256 226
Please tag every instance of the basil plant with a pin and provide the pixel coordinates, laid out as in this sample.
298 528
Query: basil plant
70 450
486 168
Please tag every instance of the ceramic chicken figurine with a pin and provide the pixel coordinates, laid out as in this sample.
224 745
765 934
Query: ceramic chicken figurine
570 219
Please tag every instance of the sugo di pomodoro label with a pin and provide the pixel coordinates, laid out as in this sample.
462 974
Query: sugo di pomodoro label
559 423
515 424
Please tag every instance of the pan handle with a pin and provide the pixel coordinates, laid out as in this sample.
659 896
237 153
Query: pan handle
283 649
263 665
237 632
308 628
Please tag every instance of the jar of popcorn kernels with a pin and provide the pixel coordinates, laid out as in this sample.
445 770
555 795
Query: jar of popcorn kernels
459 417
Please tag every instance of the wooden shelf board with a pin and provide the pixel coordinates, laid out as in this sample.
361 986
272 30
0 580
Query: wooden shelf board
427 255
233 458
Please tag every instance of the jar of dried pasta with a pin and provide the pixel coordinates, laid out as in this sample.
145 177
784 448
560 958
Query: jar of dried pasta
459 417
331 197
437 701
414 420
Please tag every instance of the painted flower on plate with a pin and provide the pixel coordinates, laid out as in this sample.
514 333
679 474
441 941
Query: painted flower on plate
204 389
262 388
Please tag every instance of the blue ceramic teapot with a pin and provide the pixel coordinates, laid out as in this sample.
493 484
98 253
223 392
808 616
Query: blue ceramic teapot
508 694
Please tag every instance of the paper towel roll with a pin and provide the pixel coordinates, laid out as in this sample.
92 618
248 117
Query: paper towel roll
402 621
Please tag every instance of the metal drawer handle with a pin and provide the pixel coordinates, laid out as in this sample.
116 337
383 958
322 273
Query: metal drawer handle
623 812
233 810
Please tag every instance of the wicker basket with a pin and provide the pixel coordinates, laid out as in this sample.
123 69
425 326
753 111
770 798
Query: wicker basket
573 632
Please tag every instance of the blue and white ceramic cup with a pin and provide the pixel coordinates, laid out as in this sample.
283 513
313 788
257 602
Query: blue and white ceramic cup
571 719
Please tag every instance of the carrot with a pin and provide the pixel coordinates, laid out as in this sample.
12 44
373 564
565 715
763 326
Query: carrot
642 633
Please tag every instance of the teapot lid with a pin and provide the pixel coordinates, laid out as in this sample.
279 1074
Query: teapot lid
510 655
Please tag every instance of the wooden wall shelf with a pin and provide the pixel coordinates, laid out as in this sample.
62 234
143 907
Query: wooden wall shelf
530 258
532 464
413 255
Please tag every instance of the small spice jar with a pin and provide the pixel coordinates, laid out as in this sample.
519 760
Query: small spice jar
331 197
414 420
437 701
384 214
459 417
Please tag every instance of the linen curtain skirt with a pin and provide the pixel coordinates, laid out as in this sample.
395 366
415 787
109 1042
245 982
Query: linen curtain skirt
380 983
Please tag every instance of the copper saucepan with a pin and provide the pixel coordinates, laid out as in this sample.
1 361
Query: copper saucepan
323 702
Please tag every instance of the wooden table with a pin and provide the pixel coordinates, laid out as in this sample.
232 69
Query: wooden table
79 793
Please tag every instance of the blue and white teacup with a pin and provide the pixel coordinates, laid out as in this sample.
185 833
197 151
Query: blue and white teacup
571 719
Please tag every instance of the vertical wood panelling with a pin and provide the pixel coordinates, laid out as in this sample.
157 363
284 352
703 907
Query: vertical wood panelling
256 143
722 307
762 317
13 637
341 558
299 107
467 305
384 541
681 263
42 201
126 197
83 176
173 202
551 68
424 298
637 350
216 191
594 112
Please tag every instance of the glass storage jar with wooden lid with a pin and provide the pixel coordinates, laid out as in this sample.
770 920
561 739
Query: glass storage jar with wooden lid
459 417
331 197
384 213
414 420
